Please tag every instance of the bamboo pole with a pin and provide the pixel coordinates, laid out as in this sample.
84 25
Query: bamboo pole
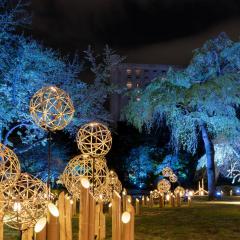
40 229
110 209
61 206
116 216
97 220
27 234
128 223
102 223
172 199
189 201
130 208
84 210
53 232
137 206
178 200
68 219
74 206
92 216
124 199
161 201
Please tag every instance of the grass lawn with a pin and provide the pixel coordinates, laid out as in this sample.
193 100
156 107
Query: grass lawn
201 221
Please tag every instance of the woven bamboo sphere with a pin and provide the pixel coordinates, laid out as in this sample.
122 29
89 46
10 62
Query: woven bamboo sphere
103 194
112 177
26 202
173 178
9 168
155 193
167 172
118 186
51 108
163 186
95 170
179 190
94 139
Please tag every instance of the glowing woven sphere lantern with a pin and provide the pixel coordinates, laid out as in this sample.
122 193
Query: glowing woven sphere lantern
95 170
173 178
163 186
167 172
51 108
112 177
94 139
9 168
26 202
179 190
155 194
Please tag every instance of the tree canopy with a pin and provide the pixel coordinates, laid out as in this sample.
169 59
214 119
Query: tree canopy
200 101
26 66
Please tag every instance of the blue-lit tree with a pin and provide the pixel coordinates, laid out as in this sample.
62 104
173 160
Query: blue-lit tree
198 102
141 164
26 66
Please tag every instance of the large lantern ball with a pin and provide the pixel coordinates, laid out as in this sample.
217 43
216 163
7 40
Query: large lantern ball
179 190
163 186
51 108
85 166
9 168
26 202
94 139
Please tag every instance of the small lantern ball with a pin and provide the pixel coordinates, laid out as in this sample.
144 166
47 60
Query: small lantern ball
155 193
173 178
112 177
9 168
94 139
179 190
26 202
167 172
51 108
95 170
163 186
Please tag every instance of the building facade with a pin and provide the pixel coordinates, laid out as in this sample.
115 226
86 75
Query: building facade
132 76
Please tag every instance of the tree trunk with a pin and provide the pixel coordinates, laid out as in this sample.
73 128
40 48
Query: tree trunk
209 150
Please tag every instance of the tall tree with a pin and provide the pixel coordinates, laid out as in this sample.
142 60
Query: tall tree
26 66
199 101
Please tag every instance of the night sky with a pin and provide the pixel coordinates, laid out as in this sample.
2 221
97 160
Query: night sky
146 31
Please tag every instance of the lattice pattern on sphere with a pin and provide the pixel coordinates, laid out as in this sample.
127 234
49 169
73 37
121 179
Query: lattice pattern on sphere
179 190
112 178
103 193
155 194
95 170
167 172
51 108
118 186
94 139
163 186
9 168
26 202
173 178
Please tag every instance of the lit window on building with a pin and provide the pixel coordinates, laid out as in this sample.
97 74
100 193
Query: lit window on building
129 84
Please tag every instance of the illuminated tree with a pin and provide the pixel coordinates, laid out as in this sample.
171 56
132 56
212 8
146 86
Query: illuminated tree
198 102
26 66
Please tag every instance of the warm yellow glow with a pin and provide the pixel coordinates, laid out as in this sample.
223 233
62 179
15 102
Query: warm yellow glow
110 205
126 217
71 202
167 197
17 207
53 210
40 225
85 182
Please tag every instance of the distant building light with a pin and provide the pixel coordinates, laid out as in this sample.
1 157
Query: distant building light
138 99
129 84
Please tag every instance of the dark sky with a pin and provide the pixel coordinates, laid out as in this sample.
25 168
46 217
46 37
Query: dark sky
146 31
